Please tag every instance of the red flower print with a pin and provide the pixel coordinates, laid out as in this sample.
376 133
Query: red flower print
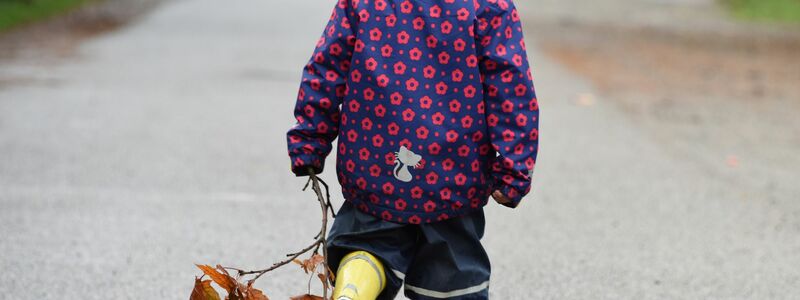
406 7
309 111
457 75
399 68
452 136
386 215
369 94
477 136
375 34
355 76
460 45
391 20
389 158
441 88
472 61
361 182
396 98
354 105
374 171
363 154
408 115
508 135
350 165
437 118
436 11
377 141
521 120
393 128
533 105
463 14
422 133
416 192
432 41
534 135
386 51
466 122
434 148
492 120
469 91
352 135
383 81
496 22
445 193
418 23
359 46
429 72
455 106
463 150
429 206
325 103
400 204
366 124
520 90
432 178
447 27
315 84
448 164
507 76
380 110
461 179
402 37
501 50
371 64
380 5
517 59
414 220
444 58
508 106
415 54
425 102
388 188
412 84
363 15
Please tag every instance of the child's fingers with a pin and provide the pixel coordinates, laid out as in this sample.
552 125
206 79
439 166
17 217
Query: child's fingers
500 198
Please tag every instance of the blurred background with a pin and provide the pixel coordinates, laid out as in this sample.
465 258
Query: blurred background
138 137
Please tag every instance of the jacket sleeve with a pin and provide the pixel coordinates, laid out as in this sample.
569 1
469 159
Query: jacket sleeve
320 95
512 111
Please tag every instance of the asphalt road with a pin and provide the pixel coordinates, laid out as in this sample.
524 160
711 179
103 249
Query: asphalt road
162 144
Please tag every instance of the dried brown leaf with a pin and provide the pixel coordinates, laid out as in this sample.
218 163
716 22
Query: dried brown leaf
310 265
225 281
203 290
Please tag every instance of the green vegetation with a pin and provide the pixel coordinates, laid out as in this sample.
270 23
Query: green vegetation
15 12
766 10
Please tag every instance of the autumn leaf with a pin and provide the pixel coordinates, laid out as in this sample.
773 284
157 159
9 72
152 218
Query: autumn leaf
310 265
306 297
223 280
203 290
254 294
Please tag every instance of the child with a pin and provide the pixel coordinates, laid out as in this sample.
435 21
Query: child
434 107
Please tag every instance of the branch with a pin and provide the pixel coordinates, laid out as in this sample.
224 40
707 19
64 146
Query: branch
320 240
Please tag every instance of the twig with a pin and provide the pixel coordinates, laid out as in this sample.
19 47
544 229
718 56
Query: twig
320 240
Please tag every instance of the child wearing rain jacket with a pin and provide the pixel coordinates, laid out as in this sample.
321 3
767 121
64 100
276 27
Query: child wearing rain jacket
434 108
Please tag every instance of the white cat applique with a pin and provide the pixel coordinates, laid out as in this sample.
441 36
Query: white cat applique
404 159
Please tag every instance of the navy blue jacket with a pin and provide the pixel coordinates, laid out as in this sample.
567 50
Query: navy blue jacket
432 102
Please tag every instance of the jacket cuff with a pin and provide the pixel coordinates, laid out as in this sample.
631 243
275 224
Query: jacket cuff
301 163
512 193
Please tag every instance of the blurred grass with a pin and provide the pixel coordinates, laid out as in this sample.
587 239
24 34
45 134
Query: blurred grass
766 10
16 12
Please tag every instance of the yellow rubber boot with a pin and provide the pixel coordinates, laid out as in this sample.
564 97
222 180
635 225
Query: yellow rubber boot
360 277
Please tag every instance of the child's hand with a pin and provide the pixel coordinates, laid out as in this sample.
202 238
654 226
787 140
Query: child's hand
500 198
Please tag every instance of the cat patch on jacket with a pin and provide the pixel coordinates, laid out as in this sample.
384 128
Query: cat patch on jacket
404 159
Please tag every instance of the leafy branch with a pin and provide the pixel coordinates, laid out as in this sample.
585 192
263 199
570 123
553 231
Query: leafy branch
240 287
